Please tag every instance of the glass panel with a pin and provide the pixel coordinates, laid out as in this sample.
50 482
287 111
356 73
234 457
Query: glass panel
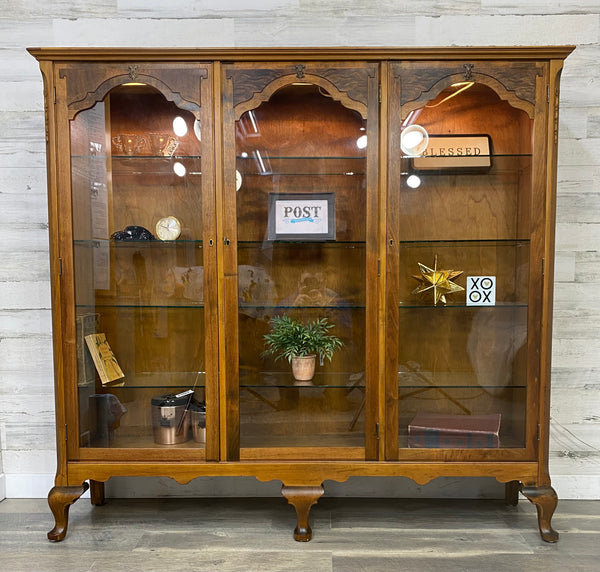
301 254
136 159
464 274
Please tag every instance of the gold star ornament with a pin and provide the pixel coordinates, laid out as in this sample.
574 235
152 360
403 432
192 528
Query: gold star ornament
439 281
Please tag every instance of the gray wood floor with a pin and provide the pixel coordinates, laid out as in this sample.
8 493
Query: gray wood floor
349 535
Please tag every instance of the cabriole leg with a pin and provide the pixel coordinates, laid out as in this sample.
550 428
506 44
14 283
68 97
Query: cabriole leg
302 499
97 492
60 500
511 493
545 501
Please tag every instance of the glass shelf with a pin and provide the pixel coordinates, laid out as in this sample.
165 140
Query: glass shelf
284 380
483 156
410 375
307 158
98 242
171 382
451 305
300 174
136 157
131 305
500 164
292 385
298 243
494 388
138 165
301 307
265 165
155 157
491 242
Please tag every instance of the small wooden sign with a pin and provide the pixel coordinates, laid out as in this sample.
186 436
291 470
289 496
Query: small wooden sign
455 152
104 359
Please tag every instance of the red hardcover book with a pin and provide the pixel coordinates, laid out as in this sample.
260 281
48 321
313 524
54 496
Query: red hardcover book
435 430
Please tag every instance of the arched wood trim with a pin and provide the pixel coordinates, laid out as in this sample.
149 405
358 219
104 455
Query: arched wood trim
498 87
275 85
92 97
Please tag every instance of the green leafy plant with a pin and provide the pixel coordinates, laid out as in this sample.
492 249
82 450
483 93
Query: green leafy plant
288 338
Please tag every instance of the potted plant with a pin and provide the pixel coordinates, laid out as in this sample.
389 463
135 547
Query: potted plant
300 343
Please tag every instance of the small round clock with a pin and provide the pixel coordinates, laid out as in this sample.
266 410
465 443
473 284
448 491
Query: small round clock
168 228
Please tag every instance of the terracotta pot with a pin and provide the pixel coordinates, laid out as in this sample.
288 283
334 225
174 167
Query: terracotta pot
303 368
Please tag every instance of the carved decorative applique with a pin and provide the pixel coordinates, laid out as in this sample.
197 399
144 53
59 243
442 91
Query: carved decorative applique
133 72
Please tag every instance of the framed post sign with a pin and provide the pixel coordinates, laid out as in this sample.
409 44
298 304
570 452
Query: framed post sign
301 216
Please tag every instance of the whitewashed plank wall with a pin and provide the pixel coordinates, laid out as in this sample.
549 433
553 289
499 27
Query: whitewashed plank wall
26 393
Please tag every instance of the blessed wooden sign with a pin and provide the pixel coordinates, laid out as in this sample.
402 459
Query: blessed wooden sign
455 152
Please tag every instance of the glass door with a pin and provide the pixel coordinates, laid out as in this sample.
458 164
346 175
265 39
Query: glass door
302 174
462 261
140 186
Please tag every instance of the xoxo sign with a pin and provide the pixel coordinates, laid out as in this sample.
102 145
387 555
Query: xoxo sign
481 290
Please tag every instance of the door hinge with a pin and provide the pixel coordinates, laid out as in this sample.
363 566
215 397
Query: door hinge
60 266
376 430
379 93
66 433
539 431
543 266
54 90
378 267
548 93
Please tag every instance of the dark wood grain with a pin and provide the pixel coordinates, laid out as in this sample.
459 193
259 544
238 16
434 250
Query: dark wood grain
89 84
302 498
513 81
545 501
60 500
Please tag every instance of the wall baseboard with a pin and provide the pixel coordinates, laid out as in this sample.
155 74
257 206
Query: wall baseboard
23 486
577 487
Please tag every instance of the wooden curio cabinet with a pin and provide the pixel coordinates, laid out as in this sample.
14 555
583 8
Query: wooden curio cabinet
404 195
